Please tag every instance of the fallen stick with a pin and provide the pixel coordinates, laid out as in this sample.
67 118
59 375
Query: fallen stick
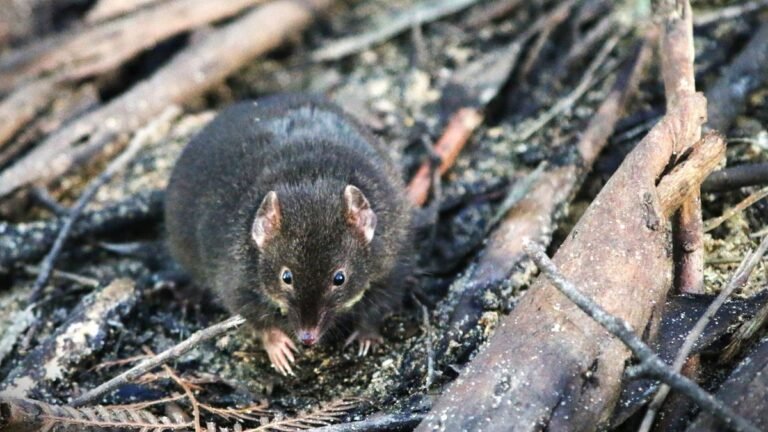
565 103
29 241
58 274
677 60
16 323
544 36
65 103
102 48
448 147
42 198
735 177
187 75
22 20
84 333
152 132
728 12
746 332
650 363
147 365
745 74
22 106
738 280
586 44
424 12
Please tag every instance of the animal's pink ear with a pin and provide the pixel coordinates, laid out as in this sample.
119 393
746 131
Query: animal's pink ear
266 224
360 216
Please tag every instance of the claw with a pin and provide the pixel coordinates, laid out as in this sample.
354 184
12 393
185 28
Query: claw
366 342
279 349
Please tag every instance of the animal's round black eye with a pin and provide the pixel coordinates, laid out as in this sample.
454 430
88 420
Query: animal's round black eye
287 277
339 278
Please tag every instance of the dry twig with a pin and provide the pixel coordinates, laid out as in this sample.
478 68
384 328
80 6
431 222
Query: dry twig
587 81
491 12
72 277
586 44
21 107
729 12
191 398
424 12
745 74
171 353
456 135
427 328
733 211
30 241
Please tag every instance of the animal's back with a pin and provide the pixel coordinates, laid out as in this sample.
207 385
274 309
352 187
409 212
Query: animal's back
248 150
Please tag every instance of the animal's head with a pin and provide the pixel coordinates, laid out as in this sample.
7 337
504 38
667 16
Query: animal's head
313 254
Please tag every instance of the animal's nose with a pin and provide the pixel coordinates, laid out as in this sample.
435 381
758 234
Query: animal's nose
308 336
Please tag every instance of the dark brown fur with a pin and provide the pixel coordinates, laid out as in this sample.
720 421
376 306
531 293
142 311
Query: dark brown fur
306 150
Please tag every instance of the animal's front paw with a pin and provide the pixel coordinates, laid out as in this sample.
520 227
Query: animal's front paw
279 348
366 339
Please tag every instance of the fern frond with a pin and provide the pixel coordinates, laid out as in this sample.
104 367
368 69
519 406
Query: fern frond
324 415
35 415
254 412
